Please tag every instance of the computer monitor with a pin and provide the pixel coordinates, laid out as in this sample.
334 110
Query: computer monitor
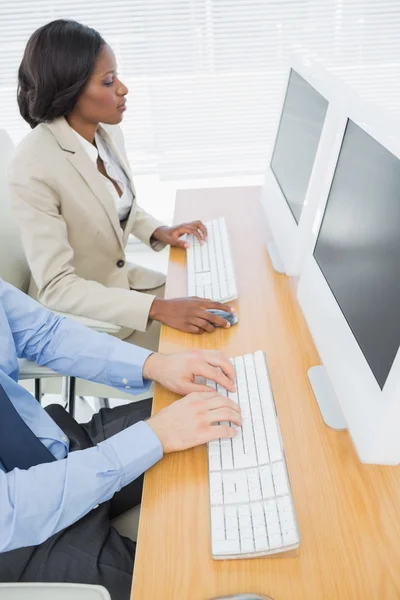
303 144
349 289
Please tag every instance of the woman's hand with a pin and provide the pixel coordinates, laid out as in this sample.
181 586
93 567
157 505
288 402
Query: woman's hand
189 314
171 235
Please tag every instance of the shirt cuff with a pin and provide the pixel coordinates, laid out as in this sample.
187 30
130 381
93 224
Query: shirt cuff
125 367
137 448
145 233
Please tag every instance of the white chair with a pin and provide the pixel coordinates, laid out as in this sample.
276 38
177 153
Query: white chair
52 591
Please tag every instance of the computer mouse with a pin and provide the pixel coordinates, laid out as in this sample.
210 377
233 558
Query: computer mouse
243 597
230 317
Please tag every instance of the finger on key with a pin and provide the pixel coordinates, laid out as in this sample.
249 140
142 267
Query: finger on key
216 432
200 225
219 359
192 230
218 402
215 374
225 414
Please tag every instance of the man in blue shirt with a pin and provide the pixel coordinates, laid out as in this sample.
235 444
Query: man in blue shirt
55 515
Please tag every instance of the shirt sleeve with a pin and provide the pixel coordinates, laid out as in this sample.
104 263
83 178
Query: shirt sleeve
39 502
70 348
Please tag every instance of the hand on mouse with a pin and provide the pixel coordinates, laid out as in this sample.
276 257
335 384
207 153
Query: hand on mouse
189 314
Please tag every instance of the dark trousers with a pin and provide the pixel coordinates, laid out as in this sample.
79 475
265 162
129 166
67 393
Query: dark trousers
91 550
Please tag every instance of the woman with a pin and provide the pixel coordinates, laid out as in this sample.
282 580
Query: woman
74 197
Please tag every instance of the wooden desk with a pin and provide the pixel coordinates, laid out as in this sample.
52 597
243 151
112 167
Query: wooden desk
349 513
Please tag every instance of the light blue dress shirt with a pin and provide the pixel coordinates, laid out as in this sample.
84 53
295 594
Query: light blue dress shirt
39 502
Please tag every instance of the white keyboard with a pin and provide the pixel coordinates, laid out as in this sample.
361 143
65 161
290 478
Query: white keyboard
252 511
209 266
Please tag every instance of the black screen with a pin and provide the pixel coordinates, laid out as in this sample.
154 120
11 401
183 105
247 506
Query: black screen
296 144
358 248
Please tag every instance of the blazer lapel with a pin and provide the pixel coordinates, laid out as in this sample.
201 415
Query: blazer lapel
120 154
82 163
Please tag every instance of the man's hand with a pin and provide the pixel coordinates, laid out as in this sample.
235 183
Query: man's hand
177 372
171 235
189 314
190 421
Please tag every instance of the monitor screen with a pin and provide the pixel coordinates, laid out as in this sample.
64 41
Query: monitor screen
358 248
296 144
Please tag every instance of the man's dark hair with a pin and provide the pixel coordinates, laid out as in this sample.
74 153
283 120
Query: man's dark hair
58 61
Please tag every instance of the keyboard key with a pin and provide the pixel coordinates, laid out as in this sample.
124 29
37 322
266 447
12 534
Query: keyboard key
274 528
208 293
245 524
249 456
286 514
204 257
220 261
230 512
231 522
232 534
225 548
253 481
218 535
191 280
230 275
203 279
235 487
258 520
200 290
290 537
246 544
275 541
271 511
216 488
217 517
267 486
280 479
197 255
214 455
261 543
226 453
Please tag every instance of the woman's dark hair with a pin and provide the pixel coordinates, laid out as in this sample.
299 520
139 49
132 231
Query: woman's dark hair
58 61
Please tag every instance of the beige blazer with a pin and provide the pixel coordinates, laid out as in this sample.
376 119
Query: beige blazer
71 232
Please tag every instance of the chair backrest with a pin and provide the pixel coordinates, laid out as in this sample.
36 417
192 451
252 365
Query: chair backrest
13 265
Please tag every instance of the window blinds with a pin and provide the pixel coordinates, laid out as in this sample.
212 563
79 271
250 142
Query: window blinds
205 76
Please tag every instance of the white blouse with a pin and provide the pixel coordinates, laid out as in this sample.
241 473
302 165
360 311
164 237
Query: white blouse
113 169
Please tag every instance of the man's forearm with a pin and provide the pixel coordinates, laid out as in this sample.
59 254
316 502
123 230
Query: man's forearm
78 351
37 503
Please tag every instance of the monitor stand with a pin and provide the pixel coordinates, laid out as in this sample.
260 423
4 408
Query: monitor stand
276 258
326 398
